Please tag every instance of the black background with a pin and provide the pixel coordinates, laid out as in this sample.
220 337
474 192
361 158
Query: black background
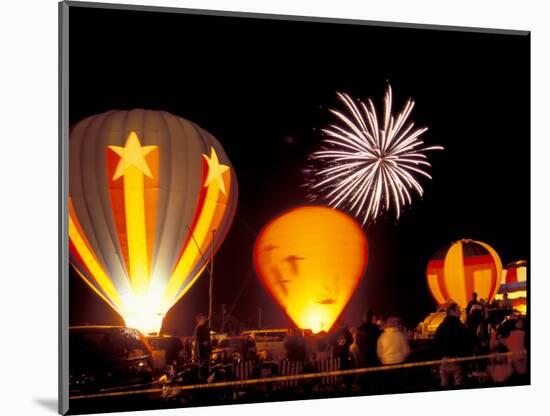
263 88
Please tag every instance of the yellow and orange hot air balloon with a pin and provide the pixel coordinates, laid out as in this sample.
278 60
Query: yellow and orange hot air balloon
150 195
463 267
311 260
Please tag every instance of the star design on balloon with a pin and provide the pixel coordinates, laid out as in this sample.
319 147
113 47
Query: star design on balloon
215 170
132 154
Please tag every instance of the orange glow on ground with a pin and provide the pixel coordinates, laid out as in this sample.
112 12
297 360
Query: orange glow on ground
311 259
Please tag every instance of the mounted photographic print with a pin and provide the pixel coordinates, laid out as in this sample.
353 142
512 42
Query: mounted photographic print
260 208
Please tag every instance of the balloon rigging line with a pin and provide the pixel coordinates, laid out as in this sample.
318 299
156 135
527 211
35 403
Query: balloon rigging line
250 271
199 249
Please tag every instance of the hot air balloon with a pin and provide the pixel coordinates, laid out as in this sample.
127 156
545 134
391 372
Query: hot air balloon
151 197
311 259
514 283
463 267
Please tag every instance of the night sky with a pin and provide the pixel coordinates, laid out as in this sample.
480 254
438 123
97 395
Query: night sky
263 88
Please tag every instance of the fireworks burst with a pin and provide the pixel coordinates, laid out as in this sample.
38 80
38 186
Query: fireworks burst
370 164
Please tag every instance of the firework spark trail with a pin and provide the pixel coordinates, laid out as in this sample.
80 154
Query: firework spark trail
371 164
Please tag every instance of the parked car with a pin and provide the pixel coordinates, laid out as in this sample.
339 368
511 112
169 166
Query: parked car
426 329
107 357
166 350
269 343
233 348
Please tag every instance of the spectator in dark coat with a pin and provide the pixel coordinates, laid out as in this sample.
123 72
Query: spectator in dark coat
369 332
474 314
340 340
471 303
202 339
452 340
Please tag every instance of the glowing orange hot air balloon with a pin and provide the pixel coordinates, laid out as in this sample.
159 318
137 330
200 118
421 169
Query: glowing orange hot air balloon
466 266
150 195
311 260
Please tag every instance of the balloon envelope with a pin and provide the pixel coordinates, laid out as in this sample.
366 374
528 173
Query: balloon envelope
150 196
311 260
466 266
514 283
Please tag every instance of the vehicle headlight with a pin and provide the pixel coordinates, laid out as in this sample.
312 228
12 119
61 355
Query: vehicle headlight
81 379
142 365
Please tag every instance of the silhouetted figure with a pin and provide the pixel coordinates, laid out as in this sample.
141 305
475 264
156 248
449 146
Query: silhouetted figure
505 303
369 332
340 340
322 347
474 314
483 328
452 340
471 303
295 346
203 346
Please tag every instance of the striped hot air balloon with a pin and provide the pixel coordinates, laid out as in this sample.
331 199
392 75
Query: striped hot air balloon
514 283
463 267
150 195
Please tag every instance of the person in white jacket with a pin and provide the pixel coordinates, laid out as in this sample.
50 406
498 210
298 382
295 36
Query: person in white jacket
392 346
